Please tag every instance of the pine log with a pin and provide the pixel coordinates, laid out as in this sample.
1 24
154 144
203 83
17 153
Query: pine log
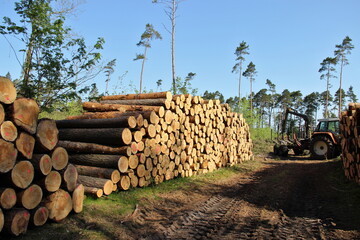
16 221
104 184
106 173
2 114
108 107
8 155
124 183
80 147
51 182
78 198
2 220
107 136
25 114
22 174
133 161
46 134
59 158
7 198
30 197
100 115
95 160
120 122
7 91
96 192
25 144
123 164
8 131
42 163
70 177
166 95
39 216
59 204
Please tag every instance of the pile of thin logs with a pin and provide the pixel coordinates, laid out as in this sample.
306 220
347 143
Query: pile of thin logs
133 140
36 181
350 141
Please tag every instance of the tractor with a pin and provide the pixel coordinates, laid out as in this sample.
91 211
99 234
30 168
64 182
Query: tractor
323 143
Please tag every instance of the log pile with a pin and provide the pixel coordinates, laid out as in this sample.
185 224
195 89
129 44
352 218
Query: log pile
136 139
36 181
350 141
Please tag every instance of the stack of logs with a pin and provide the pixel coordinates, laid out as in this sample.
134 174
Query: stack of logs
350 141
151 137
35 178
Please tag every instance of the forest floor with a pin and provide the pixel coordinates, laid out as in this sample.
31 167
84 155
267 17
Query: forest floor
269 198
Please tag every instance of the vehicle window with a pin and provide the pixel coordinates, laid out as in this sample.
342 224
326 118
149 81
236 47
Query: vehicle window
323 127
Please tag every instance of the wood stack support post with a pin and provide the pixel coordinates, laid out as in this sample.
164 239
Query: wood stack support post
350 141
35 182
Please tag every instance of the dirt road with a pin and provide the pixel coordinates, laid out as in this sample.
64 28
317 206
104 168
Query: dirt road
285 199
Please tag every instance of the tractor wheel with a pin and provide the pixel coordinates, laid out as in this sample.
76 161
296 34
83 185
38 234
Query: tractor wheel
276 149
321 147
298 151
283 151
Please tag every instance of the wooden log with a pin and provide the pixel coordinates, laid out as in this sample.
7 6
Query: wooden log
104 184
42 163
78 198
2 114
123 164
30 197
120 122
80 147
46 134
166 95
8 131
101 115
96 160
38 216
7 198
25 114
106 136
8 155
25 145
59 204
95 192
106 173
59 158
7 91
16 221
22 174
70 177
140 170
108 107
51 182
124 183
133 161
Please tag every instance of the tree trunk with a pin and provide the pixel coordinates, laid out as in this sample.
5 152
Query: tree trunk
8 156
92 148
104 184
59 204
154 95
101 115
25 144
30 197
121 122
96 160
16 221
108 107
110 136
7 198
8 131
7 91
59 158
47 134
95 192
25 114
106 173
159 102
78 198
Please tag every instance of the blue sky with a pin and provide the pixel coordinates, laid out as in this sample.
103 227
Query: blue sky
288 40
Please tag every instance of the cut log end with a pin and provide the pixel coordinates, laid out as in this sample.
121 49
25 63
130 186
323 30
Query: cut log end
25 114
31 197
7 198
22 174
39 216
8 131
59 204
78 198
59 158
8 155
7 91
16 221
47 134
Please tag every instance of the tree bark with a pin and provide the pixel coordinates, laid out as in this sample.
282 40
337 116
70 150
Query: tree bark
95 192
166 95
95 160
7 91
107 136
120 122
106 173
104 184
112 106
25 114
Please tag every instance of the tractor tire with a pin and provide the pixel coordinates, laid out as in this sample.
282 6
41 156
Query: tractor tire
321 147
283 151
298 151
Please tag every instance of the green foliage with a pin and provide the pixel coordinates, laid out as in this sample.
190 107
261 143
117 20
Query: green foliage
351 95
109 69
213 95
55 65
61 111
184 86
